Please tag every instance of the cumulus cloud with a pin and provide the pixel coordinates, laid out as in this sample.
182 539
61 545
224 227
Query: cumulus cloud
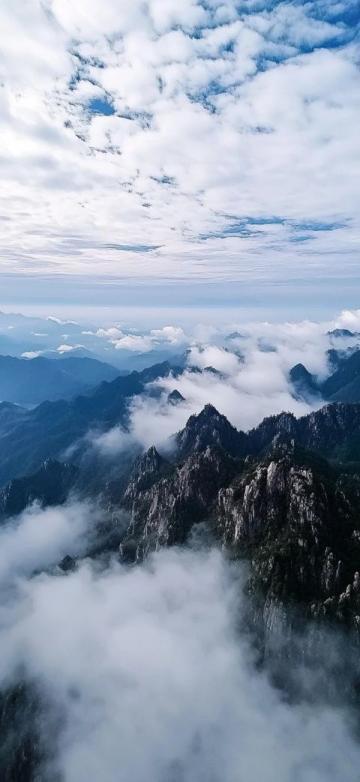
142 343
134 342
31 354
348 319
67 348
172 334
150 680
210 129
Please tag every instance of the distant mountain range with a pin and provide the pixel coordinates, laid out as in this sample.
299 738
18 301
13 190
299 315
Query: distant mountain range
32 381
28 437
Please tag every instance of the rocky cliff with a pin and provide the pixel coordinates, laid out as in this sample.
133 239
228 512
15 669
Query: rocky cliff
270 497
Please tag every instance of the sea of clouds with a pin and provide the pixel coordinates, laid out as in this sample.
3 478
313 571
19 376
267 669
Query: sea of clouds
252 363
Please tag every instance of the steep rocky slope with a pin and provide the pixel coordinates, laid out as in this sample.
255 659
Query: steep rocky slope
269 498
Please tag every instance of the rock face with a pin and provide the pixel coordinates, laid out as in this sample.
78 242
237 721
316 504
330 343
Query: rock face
300 526
164 511
333 431
270 498
209 428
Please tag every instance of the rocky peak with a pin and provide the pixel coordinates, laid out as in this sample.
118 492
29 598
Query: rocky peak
332 429
175 397
209 428
147 469
283 425
163 512
303 382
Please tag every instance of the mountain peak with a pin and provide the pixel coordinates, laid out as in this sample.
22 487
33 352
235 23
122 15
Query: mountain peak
175 397
210 411
146 470
303 381
209 427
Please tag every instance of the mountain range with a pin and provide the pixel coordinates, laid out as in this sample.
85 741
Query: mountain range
28 437
32 381
283 497
286 495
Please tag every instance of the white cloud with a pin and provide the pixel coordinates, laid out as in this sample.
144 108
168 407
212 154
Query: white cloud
348 319
220 117
40 538
68 348
60 322
253 382
113 442
172 334
134 342
31 354
152 681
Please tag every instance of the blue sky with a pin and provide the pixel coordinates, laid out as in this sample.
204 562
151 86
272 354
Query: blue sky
191 152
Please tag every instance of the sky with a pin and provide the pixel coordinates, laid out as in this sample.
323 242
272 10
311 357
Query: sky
196 153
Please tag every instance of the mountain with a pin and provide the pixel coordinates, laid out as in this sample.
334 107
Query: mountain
174 398
338 333
209 428
304 384
32 381
50 485
268 497
29 437
342 385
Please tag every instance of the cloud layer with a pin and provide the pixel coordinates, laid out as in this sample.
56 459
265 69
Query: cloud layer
244 373
151 681
201 140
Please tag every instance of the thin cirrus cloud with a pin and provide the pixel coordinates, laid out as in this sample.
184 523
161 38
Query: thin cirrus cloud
194 140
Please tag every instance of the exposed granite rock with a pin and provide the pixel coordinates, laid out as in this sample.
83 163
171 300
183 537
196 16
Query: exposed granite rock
209 428
301 531
289 512
164 513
